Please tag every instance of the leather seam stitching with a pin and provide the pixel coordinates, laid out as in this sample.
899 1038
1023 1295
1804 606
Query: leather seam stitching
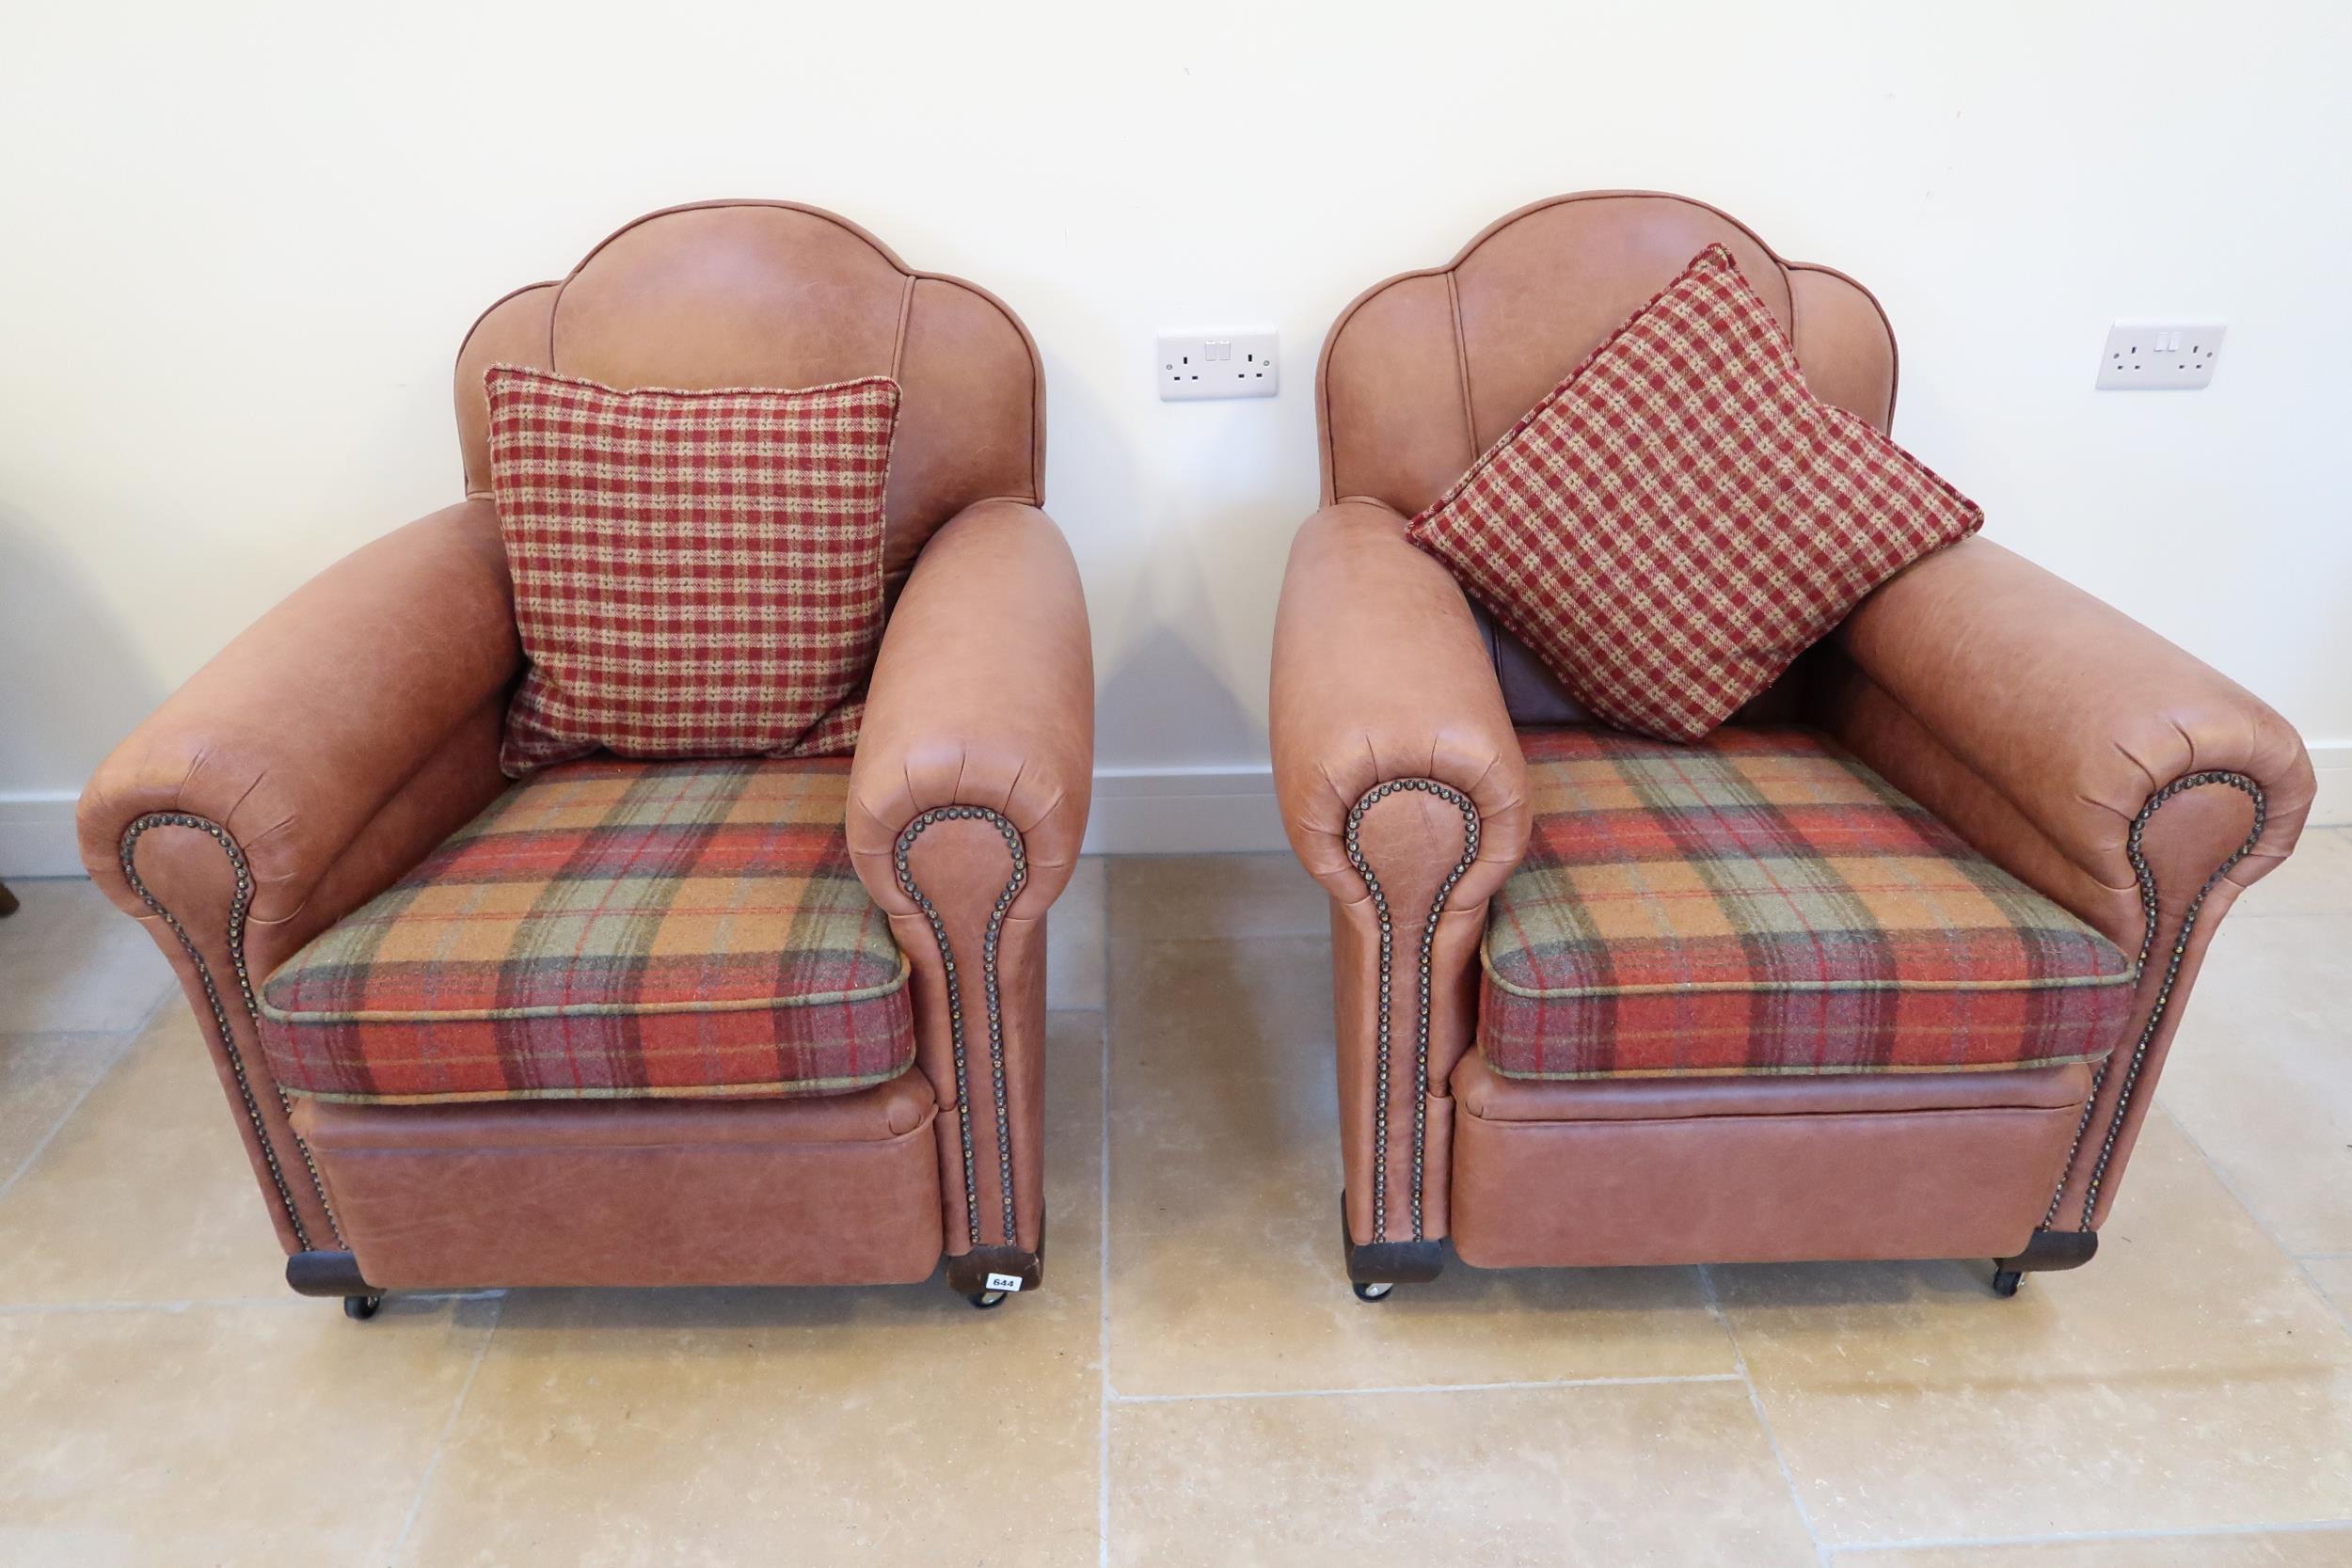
1461 366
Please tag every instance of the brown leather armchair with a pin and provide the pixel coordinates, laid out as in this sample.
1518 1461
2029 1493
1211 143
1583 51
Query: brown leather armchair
2075 750
344 735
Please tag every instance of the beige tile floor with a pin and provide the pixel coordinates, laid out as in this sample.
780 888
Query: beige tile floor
1195 1386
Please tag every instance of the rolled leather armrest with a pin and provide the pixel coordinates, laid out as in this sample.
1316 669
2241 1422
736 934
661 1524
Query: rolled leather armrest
2092 759
1380 674
300 738
311 765
2043 724
982 695
967 806
1404 792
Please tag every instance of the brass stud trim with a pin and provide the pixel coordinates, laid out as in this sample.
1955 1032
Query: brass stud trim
240 903
990 990
1460 803
2147 878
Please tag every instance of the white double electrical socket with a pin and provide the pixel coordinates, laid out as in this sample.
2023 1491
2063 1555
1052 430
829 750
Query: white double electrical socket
2159 356
1192 365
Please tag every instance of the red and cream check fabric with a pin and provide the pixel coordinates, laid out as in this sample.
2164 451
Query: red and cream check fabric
1762 903
1671 525
610 930
696 574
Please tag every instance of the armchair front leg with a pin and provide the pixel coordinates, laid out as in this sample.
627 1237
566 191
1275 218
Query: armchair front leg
1405 794
967 806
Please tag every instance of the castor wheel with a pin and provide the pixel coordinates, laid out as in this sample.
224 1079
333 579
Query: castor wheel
983 1300
361 1307
2004 1281
1375 1292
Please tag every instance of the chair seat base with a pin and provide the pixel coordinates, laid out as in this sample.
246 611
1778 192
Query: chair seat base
841 1191
1758 1171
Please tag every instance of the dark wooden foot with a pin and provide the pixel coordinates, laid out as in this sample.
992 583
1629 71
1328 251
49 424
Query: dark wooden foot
1388 1262
7 901
994 1272
327 1274
2048 1251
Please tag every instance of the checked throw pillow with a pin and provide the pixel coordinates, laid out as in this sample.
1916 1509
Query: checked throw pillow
1671 525
696 574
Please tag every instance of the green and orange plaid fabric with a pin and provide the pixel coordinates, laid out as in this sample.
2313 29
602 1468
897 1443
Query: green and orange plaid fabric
609 930
1762 903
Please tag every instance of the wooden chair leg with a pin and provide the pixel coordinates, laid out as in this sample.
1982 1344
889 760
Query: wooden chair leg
7 901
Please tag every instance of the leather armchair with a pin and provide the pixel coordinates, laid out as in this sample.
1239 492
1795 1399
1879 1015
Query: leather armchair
345 735
2097 763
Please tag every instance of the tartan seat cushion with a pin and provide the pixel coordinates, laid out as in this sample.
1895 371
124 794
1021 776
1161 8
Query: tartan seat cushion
1762 903
609 930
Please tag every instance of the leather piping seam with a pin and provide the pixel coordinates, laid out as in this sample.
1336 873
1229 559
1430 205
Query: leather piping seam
989 978
2147 878
1461 366
1460 803
239 904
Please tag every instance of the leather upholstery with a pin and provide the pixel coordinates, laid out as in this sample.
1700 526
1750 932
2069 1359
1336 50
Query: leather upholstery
2040 724
1951 1168
772 294
983 697
836 1191
356 726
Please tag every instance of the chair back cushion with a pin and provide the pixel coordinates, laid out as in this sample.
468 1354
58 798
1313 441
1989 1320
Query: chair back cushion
1678 520
696 574
774 294
1424 371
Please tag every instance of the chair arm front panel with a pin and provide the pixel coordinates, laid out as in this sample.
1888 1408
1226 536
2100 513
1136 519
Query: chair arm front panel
307 768
1403 793
967 806
2111 769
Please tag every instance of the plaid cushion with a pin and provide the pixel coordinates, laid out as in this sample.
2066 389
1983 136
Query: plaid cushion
1762 903
1671 525
609 930
696 574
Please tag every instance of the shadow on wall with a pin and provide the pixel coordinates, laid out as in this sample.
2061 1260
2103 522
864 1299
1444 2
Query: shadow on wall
1186 561
71 685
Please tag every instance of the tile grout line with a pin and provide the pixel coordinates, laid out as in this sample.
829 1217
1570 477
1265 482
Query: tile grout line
2301 1264
432 1466
1755 1404
1103 1260
284 1300
125 1039
1427 1388
2197 1532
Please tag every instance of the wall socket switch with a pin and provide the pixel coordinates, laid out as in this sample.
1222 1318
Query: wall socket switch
1216 365
2159 356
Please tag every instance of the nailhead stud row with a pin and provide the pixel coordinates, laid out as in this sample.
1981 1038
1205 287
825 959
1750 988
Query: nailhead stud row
239 904
2147 878
988 976
1460 803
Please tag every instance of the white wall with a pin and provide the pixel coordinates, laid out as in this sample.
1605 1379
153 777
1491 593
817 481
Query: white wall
238 246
